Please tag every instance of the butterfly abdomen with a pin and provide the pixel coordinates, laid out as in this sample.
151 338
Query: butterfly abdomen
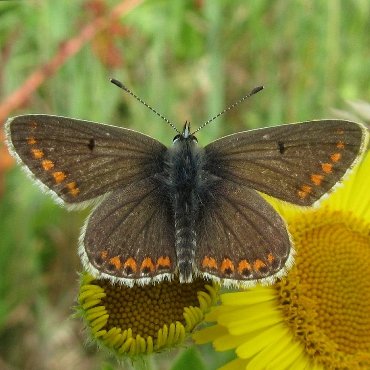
185 213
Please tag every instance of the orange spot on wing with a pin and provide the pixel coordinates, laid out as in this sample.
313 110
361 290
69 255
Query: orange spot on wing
147 265
72 188
75 192
47 164
31 140
317 179
244 265
258 265
130 264
327 167
59 176
340 145
340 131
209 263
304 191
270 258
37 153
227 266
163 262
335 157
104 255
116 262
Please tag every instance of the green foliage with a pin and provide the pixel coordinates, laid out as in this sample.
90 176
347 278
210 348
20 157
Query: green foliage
187 59
189 359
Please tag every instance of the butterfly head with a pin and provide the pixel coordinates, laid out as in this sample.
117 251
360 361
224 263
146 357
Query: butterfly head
186 135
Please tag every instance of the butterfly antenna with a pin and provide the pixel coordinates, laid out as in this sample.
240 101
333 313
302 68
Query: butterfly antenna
123 87
254 91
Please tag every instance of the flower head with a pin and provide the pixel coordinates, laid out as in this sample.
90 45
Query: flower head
318 315
142 319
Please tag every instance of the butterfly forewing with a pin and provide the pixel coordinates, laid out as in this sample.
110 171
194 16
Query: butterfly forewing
80 160
297 163
240 237
130 235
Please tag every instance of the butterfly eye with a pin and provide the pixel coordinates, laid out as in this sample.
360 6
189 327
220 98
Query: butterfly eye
176 138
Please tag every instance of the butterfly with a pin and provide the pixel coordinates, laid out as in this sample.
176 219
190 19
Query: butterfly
184 210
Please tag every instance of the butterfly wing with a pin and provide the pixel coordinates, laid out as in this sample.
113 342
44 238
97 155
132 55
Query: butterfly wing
297 163
130 235
240 237
80 160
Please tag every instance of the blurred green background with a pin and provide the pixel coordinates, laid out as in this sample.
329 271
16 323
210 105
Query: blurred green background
189 60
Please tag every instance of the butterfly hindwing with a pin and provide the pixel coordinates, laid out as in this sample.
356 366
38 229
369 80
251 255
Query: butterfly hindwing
297 163
80 160
130 235
240 237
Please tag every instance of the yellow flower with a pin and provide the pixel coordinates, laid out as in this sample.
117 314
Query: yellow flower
318 315
142 319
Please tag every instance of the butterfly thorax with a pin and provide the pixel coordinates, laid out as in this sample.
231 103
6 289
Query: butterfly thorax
183 177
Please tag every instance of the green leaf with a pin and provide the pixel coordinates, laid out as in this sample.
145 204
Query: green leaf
189 359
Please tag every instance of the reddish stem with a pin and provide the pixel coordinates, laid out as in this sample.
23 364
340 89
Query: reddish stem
66 51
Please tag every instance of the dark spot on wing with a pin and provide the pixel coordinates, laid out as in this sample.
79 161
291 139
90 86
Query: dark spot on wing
281 147
91 144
